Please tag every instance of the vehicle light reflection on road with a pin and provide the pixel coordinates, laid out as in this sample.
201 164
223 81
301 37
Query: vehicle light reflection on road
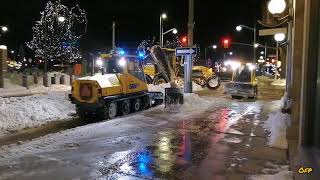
144 160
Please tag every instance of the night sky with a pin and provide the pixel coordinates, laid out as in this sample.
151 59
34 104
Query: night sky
137 20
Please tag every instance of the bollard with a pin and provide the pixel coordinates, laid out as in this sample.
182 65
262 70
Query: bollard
62 79
25 81
45 80
53 80
35 79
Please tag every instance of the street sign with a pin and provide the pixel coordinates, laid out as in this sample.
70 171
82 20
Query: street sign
186 51
272 31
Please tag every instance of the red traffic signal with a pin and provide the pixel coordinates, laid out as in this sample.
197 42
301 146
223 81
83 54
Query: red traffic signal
184 41
226 42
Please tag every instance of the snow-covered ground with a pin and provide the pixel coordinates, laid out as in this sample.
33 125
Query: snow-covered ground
283 173
23 112
51 105
159 115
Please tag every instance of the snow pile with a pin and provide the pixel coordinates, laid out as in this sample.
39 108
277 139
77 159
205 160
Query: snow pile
161 87
279 82
277 124
283 174
158 88
22 112
193 101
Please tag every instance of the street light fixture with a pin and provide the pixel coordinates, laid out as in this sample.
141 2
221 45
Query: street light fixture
173 30
164 16
279 37
230 53
4 28
61 19
276 6
214 46
239 28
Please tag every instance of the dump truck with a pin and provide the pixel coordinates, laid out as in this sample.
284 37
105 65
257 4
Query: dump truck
119 89
162 66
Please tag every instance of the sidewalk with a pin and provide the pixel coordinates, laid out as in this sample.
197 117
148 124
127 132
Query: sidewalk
18 91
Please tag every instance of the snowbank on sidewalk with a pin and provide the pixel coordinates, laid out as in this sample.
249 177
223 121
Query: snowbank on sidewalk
277 124
279 82
283 174
23 112
161 87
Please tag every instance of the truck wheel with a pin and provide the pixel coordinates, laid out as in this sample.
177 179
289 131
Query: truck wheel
136 106
213 82
159 80
84 115
125 107
111 110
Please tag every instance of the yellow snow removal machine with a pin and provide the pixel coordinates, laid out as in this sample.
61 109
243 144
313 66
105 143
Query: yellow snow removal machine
121 88
243 83
162 66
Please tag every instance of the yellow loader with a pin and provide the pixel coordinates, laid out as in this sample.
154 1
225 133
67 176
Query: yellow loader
119 90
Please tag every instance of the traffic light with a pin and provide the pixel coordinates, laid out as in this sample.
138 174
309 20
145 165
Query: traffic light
226 42
184 41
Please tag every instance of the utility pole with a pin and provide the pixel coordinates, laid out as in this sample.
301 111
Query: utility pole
191 23
189 58
113 35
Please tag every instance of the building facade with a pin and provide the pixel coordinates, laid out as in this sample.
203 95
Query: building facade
304 88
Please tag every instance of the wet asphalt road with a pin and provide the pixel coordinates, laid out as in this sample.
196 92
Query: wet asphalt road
226 143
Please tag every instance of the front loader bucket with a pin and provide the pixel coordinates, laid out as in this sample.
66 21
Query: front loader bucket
173 96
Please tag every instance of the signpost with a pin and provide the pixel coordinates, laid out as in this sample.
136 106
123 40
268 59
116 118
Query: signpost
188 53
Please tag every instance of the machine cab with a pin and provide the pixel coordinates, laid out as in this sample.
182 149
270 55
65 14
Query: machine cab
128 68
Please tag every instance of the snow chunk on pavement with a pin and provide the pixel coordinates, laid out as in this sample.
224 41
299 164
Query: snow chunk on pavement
23 112
283 174
277 124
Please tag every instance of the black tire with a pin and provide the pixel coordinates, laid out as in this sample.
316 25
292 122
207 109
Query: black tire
125 107
110 110
84 115
159 80
136 105
213 85
148 79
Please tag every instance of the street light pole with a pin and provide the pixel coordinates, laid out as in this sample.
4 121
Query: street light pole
254 43
162 16
239 28
113 35
191 23
160 36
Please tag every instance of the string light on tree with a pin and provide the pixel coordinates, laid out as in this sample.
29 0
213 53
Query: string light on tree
57 34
